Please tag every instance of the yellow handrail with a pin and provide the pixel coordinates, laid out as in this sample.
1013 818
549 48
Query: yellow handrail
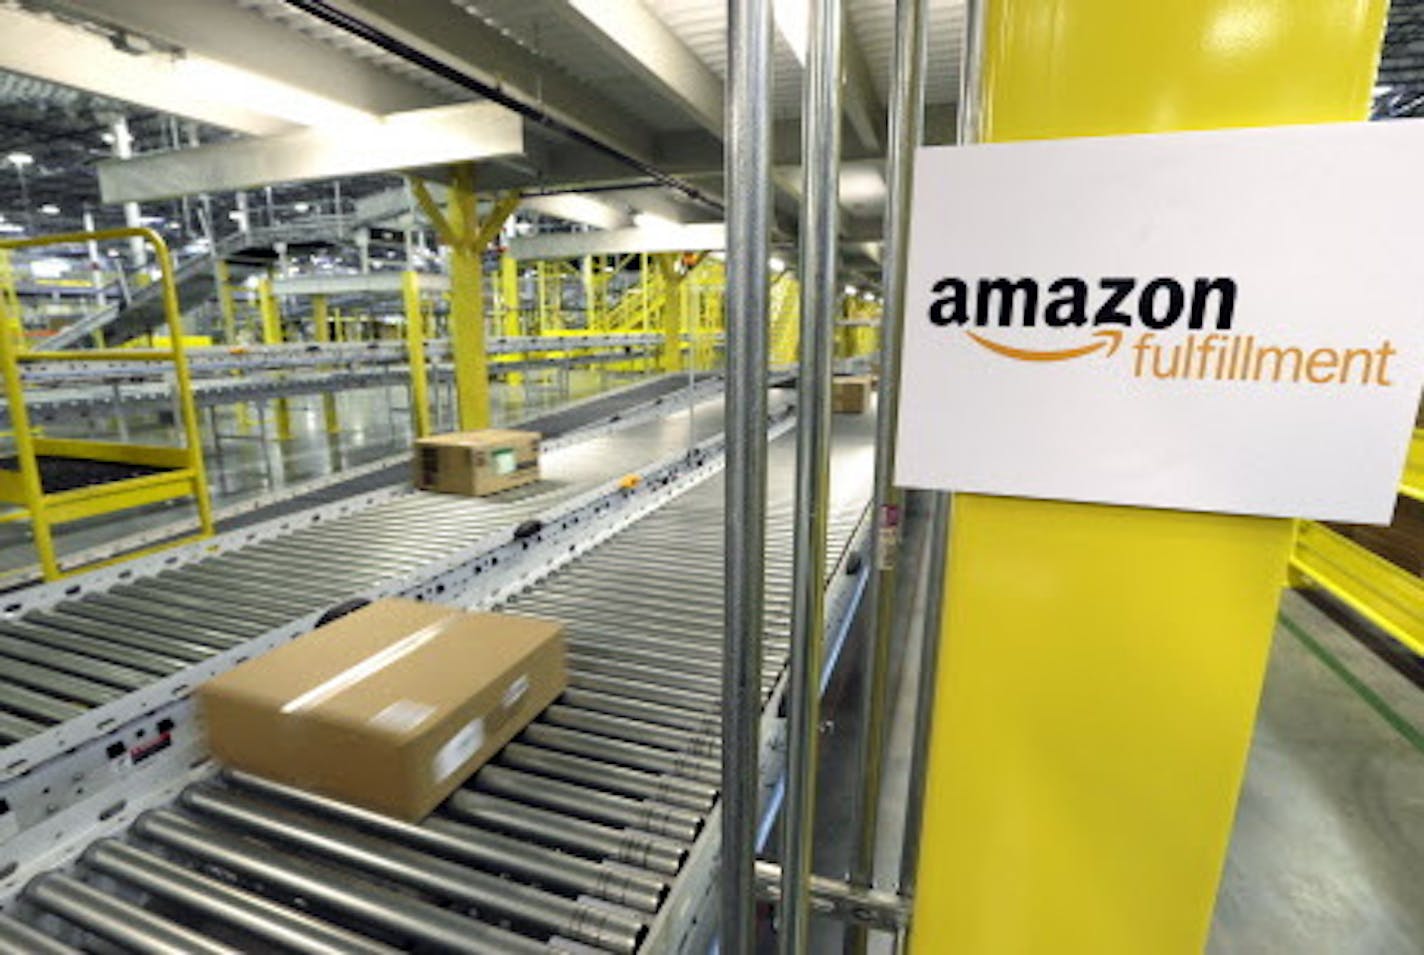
30 485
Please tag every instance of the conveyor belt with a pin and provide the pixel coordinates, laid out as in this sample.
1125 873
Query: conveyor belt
82 653
572 839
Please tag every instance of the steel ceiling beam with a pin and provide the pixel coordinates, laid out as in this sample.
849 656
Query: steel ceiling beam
43 47
702 236
410 140
224 31
647 47
862 104
473 47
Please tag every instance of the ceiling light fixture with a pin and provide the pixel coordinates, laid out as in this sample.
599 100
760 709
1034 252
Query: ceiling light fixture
49 209
20 160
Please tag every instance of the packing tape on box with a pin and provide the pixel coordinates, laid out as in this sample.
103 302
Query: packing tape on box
363 669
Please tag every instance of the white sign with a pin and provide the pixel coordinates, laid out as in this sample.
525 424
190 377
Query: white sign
1224 321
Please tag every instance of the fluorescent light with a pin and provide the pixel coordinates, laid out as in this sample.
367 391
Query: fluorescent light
793 22
11 228
235 86
777 265
651 220
19 160
108 138
851 290
302 207
49 209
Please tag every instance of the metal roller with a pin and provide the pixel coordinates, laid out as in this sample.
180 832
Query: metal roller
61 685
14 728
631 846
628 754
77 663
636 731
36 706
658 787
119 921
591 803
358 898
153 663
467 844
421 870
17 938
699 724
280 925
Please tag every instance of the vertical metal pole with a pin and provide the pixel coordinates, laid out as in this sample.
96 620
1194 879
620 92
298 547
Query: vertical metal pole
96 263
820 206
969 127
905 134
123 149
748 163
925 691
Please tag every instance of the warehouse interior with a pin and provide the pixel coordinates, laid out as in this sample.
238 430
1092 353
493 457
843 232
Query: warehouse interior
256 256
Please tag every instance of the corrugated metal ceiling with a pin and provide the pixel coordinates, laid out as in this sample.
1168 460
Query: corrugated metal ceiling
280 12
539 27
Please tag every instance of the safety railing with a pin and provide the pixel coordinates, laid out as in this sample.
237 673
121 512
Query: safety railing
1387 595
112 476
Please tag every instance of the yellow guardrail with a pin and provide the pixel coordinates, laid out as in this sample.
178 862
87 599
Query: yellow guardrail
1385 594
180 471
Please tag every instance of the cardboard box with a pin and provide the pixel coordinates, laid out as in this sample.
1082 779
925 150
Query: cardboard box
850 394
477 462
391 707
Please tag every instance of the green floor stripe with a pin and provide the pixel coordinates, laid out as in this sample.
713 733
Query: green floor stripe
1371 698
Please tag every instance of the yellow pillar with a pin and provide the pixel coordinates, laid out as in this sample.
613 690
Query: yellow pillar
321 328
415 355
509 303
670 353
1100 666
272 335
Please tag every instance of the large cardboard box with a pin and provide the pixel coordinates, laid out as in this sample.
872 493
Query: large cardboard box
850 394
477 462
391 707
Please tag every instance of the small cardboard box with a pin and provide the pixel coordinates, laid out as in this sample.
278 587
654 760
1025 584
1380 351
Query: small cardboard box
391 707
850 394
477 463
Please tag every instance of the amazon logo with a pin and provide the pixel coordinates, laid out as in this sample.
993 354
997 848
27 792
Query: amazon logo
1104 310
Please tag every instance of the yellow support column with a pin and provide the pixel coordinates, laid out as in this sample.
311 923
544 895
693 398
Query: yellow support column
1100 666
321 328
415 355
509 302
461 229
272 335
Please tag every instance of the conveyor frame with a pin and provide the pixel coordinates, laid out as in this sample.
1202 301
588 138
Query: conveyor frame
44 769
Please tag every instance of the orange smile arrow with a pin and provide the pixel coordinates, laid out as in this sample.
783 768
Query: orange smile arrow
1111 340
